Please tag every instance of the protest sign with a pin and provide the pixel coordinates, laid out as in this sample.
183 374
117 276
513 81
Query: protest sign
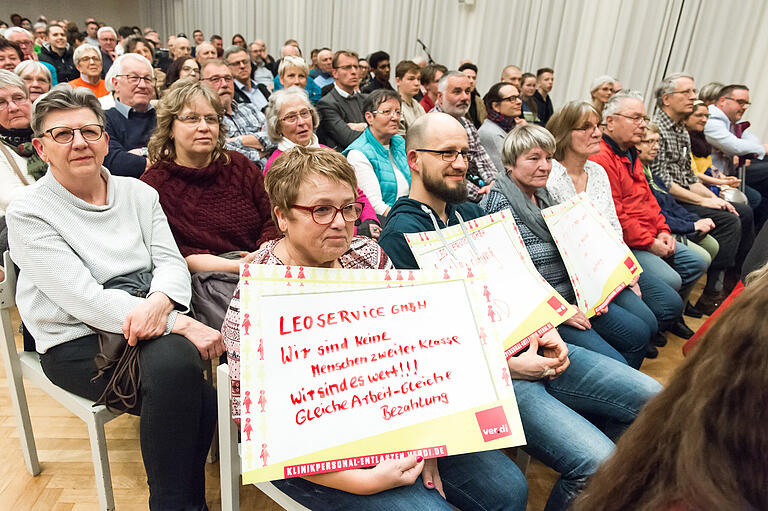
517 298
599 263
343 368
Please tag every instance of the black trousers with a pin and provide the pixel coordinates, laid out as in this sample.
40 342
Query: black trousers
177 409
756 176
735 234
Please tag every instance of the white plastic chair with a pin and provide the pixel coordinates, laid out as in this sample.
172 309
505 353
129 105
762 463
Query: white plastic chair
27 364
229 454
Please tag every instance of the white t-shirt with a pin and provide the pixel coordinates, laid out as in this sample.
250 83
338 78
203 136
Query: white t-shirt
369 183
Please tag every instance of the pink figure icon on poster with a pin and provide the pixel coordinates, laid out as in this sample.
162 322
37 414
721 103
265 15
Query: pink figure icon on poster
487 294
246 273
470 275
248 429
247 401
387 276
301 272
288 272
264 454
410 275
260 349
506 377
491 313
483 336
399 275
246 323
262 401
445 274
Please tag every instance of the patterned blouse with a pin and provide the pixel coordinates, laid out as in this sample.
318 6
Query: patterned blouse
560 186
363 253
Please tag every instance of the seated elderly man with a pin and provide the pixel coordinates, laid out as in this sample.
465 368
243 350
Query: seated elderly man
323 74
205 51
27 44
260 64
107 38
245 123
132 120
246 90
674 98
728 139
454 91
341 110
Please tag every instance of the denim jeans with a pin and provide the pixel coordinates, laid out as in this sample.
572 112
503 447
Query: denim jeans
680 272
665 303
552 414
484 481
177 408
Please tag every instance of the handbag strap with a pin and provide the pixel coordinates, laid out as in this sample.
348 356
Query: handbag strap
13 163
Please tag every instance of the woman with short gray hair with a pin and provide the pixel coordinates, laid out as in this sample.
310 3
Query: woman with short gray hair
36 76
87 60
107 233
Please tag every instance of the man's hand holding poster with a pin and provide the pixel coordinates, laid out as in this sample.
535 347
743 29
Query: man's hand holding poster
343 368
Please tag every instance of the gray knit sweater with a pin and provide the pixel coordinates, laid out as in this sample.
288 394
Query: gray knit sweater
67 248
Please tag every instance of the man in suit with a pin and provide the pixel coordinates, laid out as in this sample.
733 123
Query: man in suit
341 110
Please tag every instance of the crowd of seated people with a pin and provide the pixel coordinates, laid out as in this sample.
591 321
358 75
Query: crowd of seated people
121 155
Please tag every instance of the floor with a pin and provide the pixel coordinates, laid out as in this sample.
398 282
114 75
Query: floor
67 481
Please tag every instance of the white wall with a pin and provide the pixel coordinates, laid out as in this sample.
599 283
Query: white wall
112 12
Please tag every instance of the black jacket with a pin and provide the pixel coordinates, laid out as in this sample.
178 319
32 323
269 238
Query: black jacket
335 112
242 97
65 68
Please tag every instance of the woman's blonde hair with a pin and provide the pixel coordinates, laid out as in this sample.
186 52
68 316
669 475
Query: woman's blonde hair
567 119
161 145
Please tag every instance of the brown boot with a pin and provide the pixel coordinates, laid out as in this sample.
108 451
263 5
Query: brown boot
709 301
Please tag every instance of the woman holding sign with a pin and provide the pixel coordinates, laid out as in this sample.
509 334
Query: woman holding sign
314 203
556 382
617 332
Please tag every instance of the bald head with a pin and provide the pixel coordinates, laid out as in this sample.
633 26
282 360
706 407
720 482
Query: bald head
204 52
430 129
291 50
181 47
512 74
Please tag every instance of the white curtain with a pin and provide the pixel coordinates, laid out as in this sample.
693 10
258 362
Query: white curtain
638 41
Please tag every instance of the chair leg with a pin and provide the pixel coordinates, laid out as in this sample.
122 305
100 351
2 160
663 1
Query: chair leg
101 463
18 396
229 459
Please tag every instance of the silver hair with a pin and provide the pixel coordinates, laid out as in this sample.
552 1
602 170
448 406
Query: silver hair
668 85
443 83
597 82
8 79
291 61
64 97
117 68
83 48
106 29
615 103
39 24
17 30
523 139
277 100
231 51
711 91
26 66
418 60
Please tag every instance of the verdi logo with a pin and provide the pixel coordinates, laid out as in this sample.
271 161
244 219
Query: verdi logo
493 423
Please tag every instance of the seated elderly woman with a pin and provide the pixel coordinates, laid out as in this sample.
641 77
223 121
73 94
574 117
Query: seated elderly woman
99 229
313 195
36 76
291 121
378 155
603 87
503 106
527 155
214 199
293 71
19 163
87 60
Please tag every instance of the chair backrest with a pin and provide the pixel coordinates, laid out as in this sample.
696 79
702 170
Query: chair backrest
8 285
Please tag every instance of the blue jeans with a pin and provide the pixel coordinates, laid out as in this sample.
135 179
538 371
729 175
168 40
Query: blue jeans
680 271
557 433
665 303
484 480
623 330
590 340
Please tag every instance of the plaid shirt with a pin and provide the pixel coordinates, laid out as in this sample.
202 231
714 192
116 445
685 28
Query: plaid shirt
246 119
673 163
479 161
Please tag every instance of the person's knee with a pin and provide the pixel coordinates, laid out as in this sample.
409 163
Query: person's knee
171 358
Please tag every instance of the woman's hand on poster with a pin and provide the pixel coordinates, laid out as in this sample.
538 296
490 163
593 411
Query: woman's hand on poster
579 321
533 366
393 473
431 476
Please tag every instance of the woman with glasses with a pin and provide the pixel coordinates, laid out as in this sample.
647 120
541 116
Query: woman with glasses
19 163
87 60
313 196
182 67
378 155
503 106
629 324
76 233
36 76
291 122
214 198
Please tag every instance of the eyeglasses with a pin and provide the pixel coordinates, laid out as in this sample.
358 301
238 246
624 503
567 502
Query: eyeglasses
16 99
213 80
348 67
388 113
449 155
190 69
589 127
324 214
741 102
687 92
91 58
238 63
194 119
64 135
135 79
511 98
294 117
637 119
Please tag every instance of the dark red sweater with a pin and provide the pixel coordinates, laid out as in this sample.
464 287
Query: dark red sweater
216 209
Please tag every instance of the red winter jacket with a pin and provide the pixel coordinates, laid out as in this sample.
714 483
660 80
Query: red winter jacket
637 209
